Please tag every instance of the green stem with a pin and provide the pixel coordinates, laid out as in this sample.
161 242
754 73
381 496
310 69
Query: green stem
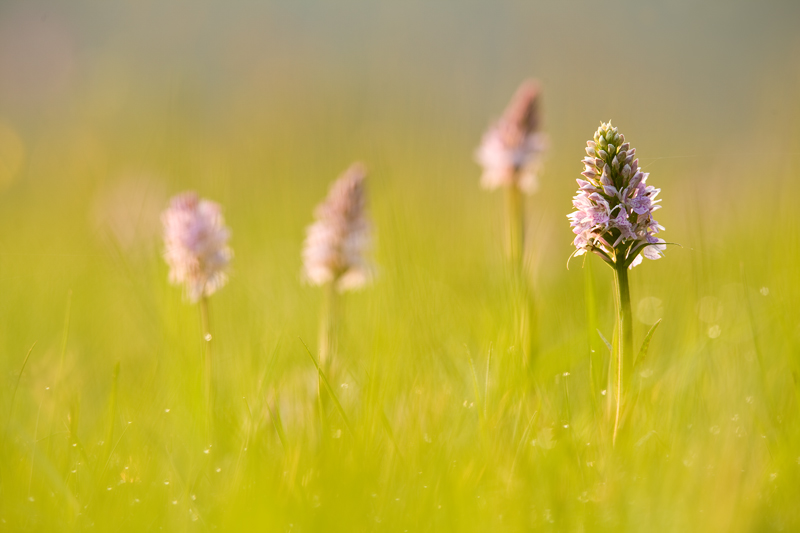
207 357
625 334
524 305
327 344
327 326
515 226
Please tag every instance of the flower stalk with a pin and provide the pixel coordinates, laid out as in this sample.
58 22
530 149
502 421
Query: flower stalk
515 226
511 154
205 324
197 252
334 254
328 323
613 219
624 337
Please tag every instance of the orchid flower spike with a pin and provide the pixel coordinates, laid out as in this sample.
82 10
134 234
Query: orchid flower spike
196 245
614 205
512 149
337 242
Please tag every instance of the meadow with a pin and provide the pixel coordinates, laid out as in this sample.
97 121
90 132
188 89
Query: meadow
444 424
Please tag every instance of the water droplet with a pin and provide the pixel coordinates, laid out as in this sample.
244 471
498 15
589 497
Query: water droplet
565 374
174 502
207 337
337 433
344 385
108 488
206 451
166 483
166 410
764 291
603 392
194 497
219 470
714 331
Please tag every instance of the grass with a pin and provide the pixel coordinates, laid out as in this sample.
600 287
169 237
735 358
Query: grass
437 423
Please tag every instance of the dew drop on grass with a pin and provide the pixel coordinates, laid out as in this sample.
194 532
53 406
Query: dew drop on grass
603 392
714 331
208 337
219 470
166 410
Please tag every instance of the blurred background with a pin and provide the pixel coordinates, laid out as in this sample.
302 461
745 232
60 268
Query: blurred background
109 108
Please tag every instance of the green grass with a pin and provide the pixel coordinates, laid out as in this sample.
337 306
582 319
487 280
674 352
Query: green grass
444 428
447 429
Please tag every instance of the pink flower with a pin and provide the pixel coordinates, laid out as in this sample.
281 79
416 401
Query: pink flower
511 151
337 242
196 245
614 205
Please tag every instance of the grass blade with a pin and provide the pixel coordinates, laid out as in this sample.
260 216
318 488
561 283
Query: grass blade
608 344
277 424
646 344
16 385
329 389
